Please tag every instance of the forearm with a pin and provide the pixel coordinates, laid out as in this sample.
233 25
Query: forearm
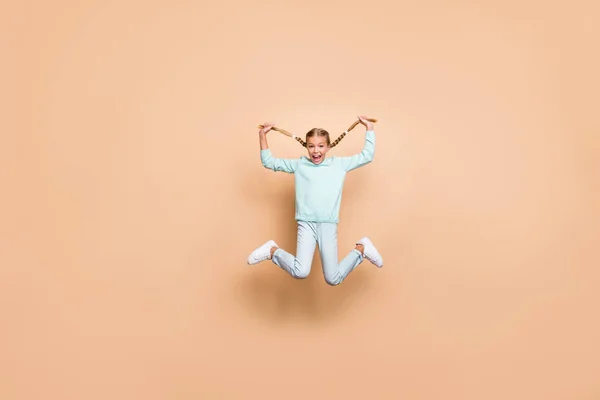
263 141
368 150
365 156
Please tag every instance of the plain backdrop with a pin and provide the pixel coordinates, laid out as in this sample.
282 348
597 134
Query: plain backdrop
132 194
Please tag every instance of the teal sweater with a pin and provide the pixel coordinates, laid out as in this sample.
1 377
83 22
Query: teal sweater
319 186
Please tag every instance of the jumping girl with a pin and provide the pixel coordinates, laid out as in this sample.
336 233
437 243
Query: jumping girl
319 182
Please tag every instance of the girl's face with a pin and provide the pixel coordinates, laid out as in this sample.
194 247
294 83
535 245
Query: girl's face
317 148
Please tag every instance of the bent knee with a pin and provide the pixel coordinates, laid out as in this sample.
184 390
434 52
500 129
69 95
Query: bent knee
301 272
333 280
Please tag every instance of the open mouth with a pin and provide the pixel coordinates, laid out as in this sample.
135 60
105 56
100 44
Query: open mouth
316 158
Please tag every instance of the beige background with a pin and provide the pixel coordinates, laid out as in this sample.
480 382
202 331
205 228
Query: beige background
132 193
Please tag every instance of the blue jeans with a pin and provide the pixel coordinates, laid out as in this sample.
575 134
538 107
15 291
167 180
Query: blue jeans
325 235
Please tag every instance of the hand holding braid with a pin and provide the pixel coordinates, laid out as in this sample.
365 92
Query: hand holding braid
266 127
367 122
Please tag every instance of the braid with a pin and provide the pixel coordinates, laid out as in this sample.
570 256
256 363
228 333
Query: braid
302 142
333 144
336 141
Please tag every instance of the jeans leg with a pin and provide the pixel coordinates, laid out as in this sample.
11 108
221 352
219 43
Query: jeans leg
299 266
335 272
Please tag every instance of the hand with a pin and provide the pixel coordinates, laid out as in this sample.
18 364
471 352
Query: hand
363 120
266 127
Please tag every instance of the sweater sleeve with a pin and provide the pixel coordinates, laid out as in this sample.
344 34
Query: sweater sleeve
364 157
277 164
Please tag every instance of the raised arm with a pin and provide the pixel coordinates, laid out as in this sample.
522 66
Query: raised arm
368 151
267 159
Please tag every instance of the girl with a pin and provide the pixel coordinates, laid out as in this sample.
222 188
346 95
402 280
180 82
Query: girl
319 184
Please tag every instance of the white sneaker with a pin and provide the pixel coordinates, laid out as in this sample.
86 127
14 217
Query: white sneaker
261 253
371 252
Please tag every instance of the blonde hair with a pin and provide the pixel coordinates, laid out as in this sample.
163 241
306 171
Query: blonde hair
319 132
